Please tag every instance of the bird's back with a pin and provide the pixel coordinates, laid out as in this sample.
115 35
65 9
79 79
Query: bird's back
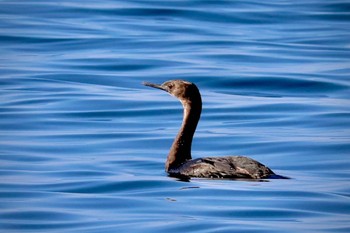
222 167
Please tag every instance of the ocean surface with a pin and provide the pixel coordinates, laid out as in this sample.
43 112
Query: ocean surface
83 142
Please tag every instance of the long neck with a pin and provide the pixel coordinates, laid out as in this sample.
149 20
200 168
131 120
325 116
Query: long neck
180 150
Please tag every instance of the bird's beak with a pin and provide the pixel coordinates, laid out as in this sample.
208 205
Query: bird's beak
158 86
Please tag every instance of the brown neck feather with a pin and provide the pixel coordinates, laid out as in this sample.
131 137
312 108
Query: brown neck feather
180 151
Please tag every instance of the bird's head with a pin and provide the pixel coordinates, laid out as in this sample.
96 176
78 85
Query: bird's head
183 90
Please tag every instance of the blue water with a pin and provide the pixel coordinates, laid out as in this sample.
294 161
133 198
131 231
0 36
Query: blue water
83 143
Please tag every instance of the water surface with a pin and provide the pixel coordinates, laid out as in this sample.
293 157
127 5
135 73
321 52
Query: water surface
83 143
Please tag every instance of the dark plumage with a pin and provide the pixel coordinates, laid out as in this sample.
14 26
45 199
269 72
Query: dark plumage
179 161
222 167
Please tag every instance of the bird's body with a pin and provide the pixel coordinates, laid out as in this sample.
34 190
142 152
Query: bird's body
179 161
222 167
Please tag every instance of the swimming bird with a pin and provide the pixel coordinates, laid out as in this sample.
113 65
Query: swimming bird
179 162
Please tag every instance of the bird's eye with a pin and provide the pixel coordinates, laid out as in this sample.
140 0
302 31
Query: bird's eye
170 86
